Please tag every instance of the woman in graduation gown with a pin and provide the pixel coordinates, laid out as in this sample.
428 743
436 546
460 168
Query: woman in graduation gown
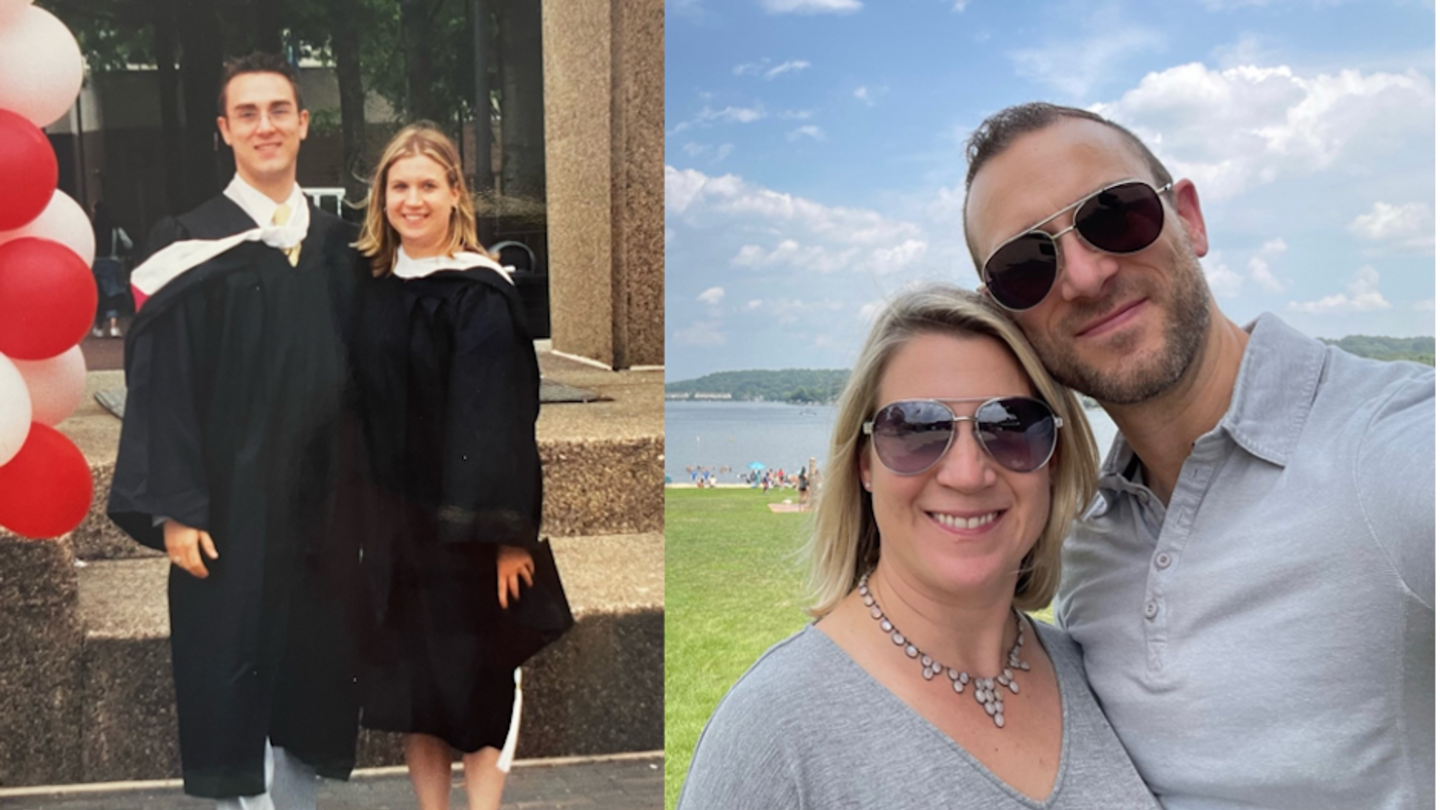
449 389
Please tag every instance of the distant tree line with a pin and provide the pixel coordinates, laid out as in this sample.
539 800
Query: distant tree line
822 385
1417 349
794 385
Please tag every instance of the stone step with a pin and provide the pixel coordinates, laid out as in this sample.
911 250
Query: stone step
603 461
598 690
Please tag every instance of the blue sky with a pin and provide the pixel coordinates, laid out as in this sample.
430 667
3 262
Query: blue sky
815 165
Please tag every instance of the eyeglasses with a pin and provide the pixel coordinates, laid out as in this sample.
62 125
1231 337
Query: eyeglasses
912 435
1126 217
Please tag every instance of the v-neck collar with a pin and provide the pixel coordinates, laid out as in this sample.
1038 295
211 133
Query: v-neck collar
1061 688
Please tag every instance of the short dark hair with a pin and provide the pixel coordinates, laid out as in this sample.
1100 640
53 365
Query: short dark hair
259 62
998 132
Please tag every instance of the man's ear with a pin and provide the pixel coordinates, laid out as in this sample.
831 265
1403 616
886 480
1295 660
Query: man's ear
1187 206
304 124
223 124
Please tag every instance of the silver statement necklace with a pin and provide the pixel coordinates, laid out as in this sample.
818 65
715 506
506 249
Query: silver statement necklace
989 692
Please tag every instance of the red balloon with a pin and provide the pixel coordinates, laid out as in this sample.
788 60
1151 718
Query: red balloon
45 489
28 171
47 298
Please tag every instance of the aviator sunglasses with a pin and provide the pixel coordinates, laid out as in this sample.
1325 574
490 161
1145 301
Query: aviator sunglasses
1126 217
912 435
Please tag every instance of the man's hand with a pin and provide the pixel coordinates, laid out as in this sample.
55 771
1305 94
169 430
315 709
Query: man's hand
185 545
513 563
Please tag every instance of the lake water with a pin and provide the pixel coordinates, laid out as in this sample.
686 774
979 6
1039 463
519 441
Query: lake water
779 436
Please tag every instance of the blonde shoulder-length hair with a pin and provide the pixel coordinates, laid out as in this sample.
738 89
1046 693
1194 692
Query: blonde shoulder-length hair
378 239
845 541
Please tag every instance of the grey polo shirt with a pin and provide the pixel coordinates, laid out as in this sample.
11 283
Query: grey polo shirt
1268 640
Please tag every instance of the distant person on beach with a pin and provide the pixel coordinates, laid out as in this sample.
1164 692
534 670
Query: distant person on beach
1254 587
803 484
958 467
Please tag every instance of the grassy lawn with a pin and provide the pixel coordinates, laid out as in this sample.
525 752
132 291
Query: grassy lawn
733 587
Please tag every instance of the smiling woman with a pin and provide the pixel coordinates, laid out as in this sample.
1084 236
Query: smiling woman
956 467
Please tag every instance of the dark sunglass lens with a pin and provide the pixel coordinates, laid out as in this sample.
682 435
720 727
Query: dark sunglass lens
1021 273
1123 219
1018 432
911 436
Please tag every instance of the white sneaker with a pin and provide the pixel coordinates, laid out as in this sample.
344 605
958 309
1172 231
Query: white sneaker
114 331
96 332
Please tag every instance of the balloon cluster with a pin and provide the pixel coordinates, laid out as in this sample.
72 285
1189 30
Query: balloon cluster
47 295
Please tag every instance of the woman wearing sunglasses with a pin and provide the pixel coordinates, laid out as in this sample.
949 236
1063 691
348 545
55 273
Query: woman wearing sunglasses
956 468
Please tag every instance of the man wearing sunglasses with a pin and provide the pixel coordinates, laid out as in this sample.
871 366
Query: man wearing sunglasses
1254 585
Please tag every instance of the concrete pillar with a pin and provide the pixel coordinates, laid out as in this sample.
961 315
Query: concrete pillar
605 180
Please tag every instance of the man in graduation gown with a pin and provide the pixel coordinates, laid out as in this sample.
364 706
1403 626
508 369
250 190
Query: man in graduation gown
229 456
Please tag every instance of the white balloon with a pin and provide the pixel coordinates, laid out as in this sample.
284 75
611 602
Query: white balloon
10 8
40 66
56 385
63 221
14 410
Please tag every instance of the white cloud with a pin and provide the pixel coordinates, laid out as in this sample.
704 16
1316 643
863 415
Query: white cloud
1427 304
1074 61
693 193
892 259
701 333
808 131
1249 49
1362 294
712 296
868 311
787 311
1224 282
728 115
797 115
868 95
762 67
1260 265
812 258
741 115
810 6
959 5
705 150
786 67
1236 128
1410 224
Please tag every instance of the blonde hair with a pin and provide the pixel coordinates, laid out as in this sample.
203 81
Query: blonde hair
845 541
378 239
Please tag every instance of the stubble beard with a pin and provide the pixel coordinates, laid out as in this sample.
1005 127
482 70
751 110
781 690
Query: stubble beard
1138 378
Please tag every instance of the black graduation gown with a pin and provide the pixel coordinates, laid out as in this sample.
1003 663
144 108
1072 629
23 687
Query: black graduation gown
237 379
450 387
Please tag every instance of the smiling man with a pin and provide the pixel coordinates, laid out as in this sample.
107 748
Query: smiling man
1253 587
229 453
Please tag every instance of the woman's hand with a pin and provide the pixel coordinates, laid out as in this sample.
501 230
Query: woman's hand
513 564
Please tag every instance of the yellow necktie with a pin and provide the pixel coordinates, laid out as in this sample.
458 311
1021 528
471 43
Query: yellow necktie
281 217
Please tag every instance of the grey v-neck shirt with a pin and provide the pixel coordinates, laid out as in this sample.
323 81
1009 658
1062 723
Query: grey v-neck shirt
806 727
